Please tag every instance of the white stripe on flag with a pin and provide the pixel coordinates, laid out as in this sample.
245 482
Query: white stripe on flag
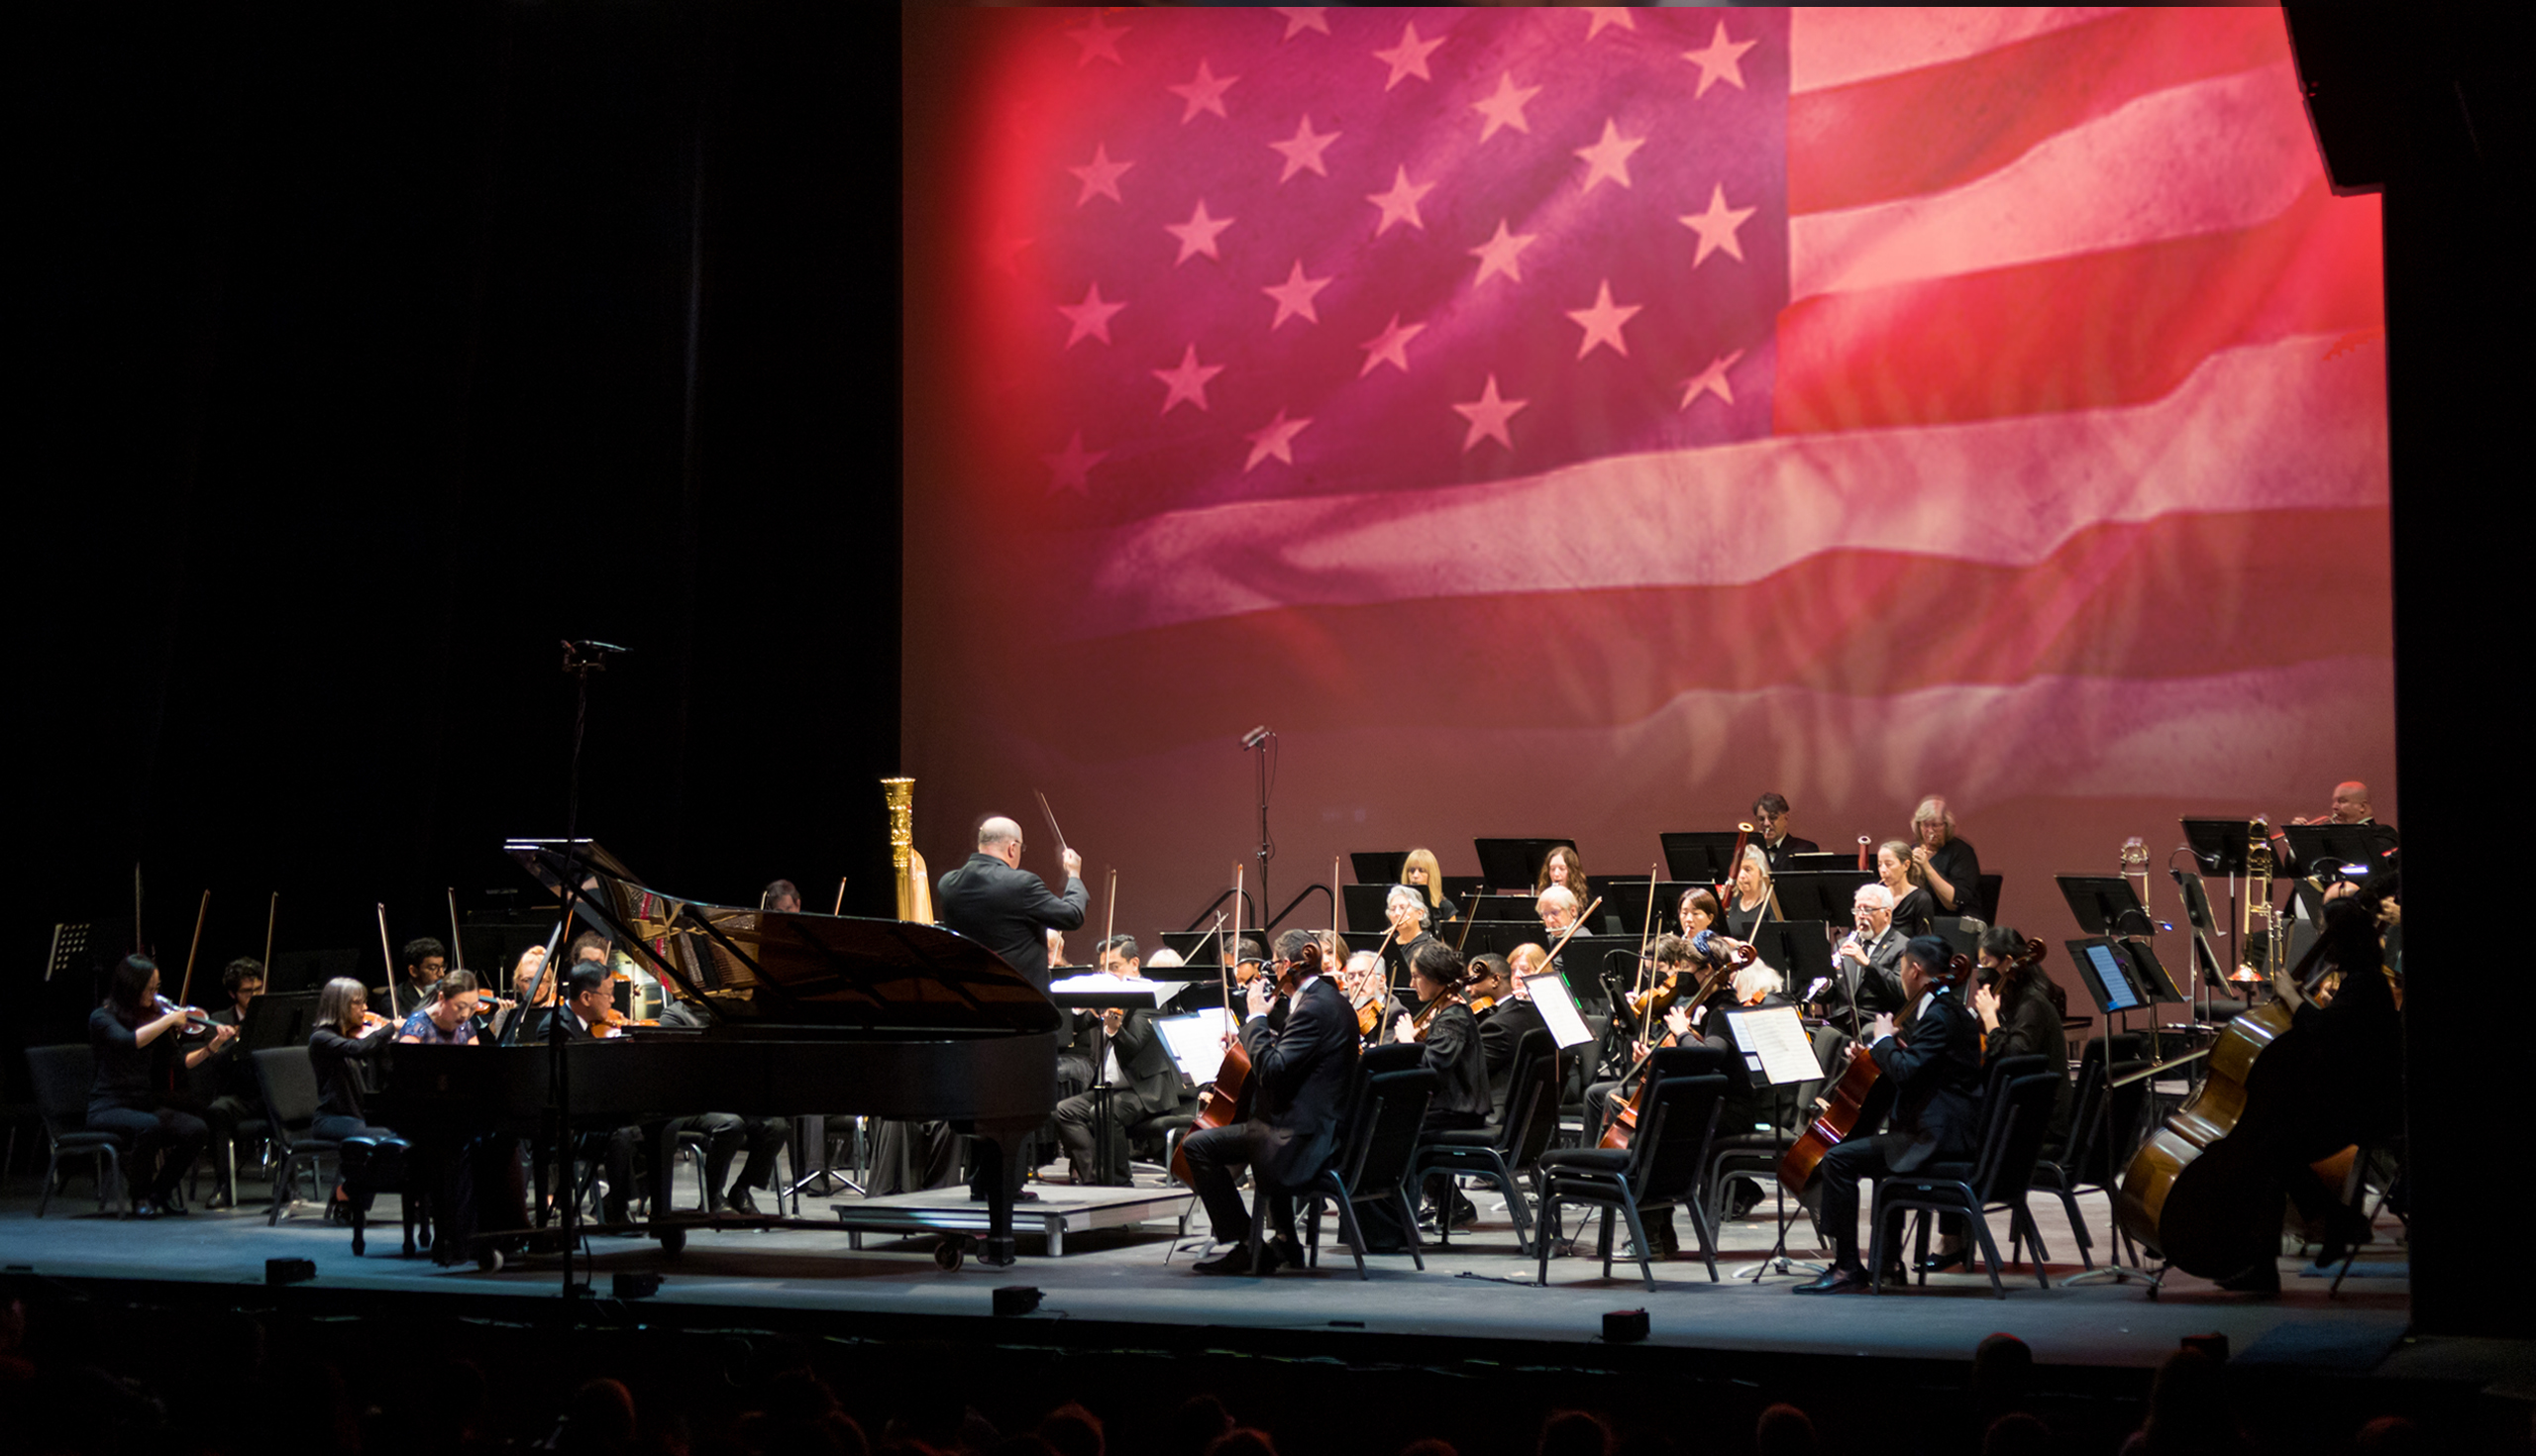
1835 44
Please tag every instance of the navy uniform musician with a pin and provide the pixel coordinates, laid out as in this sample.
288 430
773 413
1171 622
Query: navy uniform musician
993 901
1936 1070
1302 1054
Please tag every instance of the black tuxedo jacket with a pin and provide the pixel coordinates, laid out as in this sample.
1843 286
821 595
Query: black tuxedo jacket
1780 852
1300 1072
1153 1078
1935 1069
1501 1031
1009 911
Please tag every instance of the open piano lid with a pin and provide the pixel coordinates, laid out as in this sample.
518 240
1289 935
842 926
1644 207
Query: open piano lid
772 968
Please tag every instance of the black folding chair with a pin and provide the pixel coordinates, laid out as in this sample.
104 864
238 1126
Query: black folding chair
1370 1165
1661 1166
290 1082
62 1077
1512 1147
2012 1132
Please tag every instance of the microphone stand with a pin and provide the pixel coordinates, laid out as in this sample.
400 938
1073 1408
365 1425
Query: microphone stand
581 658
1257 740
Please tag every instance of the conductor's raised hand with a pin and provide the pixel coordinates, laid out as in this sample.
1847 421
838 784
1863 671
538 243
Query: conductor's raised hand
1074 865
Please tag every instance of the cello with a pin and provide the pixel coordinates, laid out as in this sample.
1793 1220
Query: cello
1658 1003
1858 1097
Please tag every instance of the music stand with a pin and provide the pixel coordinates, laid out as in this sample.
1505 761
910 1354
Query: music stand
1821 894
2347 844
2218 843
1558 1009
2106 975
1510 909
1702 855
2104 905
1775 1050
1625 897
1801 950
1514 861
1364 904
1379 867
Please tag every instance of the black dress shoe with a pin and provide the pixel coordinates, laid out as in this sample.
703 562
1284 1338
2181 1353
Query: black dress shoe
1280 1253
1232 1261
737 1201
168 1205
1839 1279
221 1199
1940 1263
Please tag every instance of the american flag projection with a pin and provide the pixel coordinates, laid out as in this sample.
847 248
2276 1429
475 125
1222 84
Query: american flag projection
1576 422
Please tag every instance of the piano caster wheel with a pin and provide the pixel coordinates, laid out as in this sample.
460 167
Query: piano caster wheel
672 1242
488 1260
950 1252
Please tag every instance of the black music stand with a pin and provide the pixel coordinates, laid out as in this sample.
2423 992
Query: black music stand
1512 909
1379 867
1800 948
2107 973
2346 844
1365 907
1514 861
2218 843
2105 905
1702 855
1627 897
1820 894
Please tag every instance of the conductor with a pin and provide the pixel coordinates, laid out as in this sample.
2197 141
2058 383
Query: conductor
993 901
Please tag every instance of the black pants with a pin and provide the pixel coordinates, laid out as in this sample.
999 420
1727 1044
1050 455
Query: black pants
1838 1180
1214 1153
724 1134
765 1136
173 1137
1076 1118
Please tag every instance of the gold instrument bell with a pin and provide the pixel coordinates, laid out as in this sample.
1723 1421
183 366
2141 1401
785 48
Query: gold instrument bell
907 866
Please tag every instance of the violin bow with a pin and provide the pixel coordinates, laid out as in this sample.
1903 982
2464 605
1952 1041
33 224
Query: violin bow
389 957
184 990
1646 932
457 956
272 912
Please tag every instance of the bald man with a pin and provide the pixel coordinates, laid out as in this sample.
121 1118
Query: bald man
2350 806
996 902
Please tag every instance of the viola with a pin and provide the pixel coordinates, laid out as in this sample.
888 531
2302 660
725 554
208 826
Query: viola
1859 1098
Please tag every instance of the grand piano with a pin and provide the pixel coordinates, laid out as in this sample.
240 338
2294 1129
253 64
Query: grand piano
804 1013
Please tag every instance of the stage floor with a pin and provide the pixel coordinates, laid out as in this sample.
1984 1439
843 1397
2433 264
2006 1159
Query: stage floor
1137 1275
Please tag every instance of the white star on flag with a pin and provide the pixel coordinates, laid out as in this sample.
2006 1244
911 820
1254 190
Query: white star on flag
1722 61
1100 176
1303 150
1302 18
1091 317
1099 39
1198 234
1188 381
1400 204
1603 16
1206 93
1499 254
1488 415
1408 58
1390 347
1712 381
1293 297
1609 158
1073 466
1717 226
1506 108
1602 323
1275 437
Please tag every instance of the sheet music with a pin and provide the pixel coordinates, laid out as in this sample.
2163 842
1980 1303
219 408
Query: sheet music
1777 1037
1197 1041
1129 991
1558 1009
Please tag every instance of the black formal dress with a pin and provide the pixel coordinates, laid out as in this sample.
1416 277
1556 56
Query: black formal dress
2029 1026
1935 1066
1916 913
1009 911
1302 1054
1136 1064
132 1093
1961 868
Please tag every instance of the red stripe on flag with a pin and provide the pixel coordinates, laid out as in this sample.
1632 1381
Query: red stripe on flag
2123 601
2112 328
1941 125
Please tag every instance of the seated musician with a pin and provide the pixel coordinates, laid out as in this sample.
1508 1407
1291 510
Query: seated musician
1770 818
525 981
448 1018
230 1095
1753 894
590 993
1677 963
1407 911
783 895
426 961
1703 934
1899 870
1557 908
1132 1060
1302 1056
1935 1066
1421 873
135 1039
1564 870
347 1036
1450 1037
1367 991
2350 806
2020 1009
1948 868
1511 1016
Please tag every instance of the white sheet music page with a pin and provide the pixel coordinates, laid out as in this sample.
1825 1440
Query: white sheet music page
1777 1037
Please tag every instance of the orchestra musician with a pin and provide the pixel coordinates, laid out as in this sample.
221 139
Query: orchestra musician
426 961
524 976
1752 893
1302 1054
1409 912
2020 1009
1770 818
782 895
1948 867
1451 1036
227 1078
1131 1058
347 1036
1362 981
590 993
447 1020
1557 908
993 901
1674 956
1900 872
1510 1015
1563 868
136 1038
1869 960
1935 1066
1421 873
2350 806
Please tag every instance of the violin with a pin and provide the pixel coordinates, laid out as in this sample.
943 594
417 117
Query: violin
1424 1022
196 1018
1653 1002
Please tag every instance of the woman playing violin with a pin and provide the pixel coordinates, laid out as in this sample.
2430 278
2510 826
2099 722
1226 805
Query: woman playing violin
2020 1010
447 1020
347 1033
1451 1036
134 1036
